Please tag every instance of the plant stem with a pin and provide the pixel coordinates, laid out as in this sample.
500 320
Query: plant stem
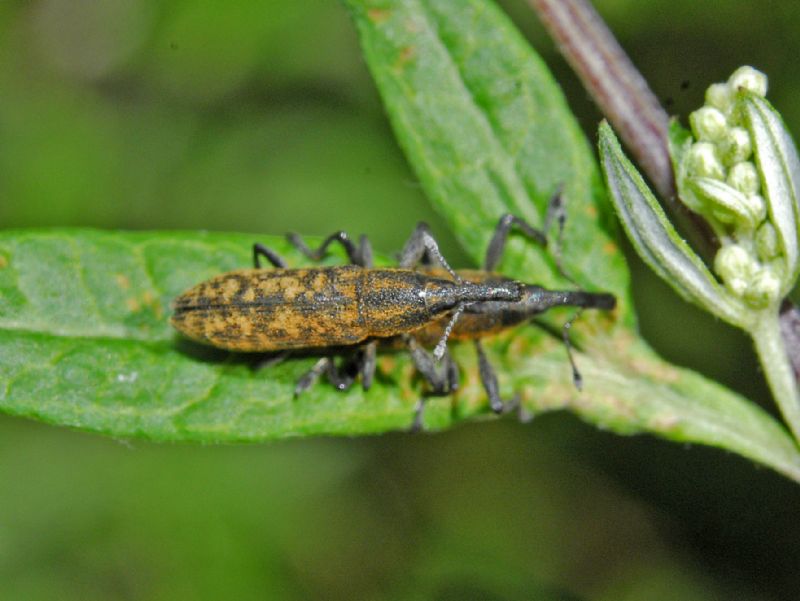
626 100
616 85
771 352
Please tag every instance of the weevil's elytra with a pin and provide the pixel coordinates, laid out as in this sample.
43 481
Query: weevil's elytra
260 310
353 308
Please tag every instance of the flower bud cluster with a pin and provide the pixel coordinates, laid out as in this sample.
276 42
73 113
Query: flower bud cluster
718 179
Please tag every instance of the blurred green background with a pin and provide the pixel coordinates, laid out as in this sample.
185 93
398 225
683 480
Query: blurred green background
259 116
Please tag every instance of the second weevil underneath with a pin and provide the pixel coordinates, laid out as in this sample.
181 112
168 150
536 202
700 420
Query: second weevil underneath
350 310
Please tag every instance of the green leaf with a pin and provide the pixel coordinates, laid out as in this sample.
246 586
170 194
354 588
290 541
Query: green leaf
85 342
488 131
657 241
779 167
84 334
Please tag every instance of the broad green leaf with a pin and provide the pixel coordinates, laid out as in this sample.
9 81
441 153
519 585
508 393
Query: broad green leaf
85 342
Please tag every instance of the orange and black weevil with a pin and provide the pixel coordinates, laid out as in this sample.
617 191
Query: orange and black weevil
352 309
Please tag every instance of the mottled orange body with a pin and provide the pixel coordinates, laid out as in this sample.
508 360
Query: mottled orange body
260 310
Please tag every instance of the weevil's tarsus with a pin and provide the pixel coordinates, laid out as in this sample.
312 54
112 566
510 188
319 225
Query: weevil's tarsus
259 250
523 415
439 374
417 424
557 211
308 379
422 248
359 255
341 377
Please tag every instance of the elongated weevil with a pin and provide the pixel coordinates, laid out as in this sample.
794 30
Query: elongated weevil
354 308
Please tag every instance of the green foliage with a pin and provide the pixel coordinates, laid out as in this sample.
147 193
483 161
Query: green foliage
85 339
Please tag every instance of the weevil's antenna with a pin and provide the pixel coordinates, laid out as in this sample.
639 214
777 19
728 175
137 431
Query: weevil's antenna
577 379
441 346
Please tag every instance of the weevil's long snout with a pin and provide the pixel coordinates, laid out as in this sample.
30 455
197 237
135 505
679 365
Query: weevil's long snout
538 299
597 300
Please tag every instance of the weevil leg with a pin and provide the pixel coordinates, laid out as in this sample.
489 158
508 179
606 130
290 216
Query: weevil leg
308 379
341 377
259 250
577 379
450 373
422 247
497 245
368 360
556 211
439 377
489 380
358 255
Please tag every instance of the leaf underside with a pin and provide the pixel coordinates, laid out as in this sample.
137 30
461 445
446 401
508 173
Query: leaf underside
84 333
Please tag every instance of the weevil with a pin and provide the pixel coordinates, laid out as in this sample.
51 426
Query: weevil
352 309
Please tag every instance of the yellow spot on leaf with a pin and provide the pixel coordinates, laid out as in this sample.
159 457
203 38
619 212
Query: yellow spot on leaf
405 56
378 15
154 304
122 281
3 262
609 248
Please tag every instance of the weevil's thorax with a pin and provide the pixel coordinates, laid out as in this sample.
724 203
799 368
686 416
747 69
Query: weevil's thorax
393 301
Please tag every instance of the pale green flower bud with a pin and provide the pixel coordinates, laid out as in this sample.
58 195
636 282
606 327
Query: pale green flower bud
719 96
704 161
708 124
744 178
747 78
736 267
727 204
736 145
764 289
767 242
757 207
